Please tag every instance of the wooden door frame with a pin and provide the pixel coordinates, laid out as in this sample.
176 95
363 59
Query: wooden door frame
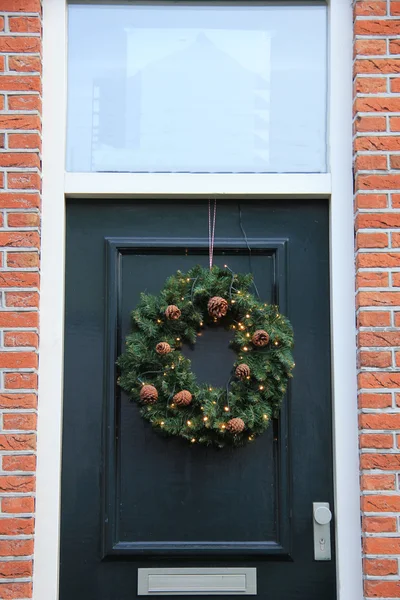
337 186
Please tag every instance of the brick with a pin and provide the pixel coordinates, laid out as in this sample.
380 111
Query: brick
22 299
367 400
376 440
22 260
395 200
12 591
19 200
378 143
16 484
380 104
378 482
19 159
18 400
23 504
1 23
15 569
19 121
376 545
20 339
23 220
16 526
24 24
371 201
18 44
24 140
395 85
380 421
18 441
20 239
387 589
372 240
379 379
25 102
30 6
18 360
24 181
378 566
368 339
377 65
378 298
25 64
375 9
18 279
373 319
377 27
372 279
370 85
378 259
394 47
379 524
11 319
364 124
371 162
20 83
369 47
19 462
395 161
19 421
395 8
396 279
20 381
375 359
384 462
16 547
379 220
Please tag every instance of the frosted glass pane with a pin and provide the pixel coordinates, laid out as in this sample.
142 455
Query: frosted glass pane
197 88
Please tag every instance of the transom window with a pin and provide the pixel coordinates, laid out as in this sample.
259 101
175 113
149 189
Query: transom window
197 88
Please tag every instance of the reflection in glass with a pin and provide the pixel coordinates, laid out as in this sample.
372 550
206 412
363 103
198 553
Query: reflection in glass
197 88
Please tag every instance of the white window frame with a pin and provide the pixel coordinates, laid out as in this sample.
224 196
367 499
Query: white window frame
337 186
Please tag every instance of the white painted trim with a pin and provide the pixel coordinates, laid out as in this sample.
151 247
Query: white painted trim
46 557
181 184
343 313
46 565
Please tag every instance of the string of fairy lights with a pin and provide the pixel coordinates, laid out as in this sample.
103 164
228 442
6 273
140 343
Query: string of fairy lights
154 372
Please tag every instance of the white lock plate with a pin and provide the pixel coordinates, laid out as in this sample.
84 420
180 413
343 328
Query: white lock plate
322 517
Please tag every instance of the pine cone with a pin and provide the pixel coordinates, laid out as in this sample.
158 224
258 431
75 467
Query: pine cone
148 394
163 348
217 307
260 338
172 312
242 371
183 398
235 425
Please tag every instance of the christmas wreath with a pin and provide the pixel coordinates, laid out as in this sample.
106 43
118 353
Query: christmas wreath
155 373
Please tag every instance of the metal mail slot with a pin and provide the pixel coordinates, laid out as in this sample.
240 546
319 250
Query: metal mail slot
197 582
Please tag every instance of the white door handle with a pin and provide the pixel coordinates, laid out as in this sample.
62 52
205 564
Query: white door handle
322 516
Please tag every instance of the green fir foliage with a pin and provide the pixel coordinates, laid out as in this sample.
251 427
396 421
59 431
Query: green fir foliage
256 400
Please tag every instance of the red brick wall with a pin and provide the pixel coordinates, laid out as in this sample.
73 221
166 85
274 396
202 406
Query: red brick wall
20 105
377 184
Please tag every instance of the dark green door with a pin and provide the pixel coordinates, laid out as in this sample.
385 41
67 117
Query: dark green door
131 498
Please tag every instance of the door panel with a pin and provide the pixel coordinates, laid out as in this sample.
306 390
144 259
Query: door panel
131 498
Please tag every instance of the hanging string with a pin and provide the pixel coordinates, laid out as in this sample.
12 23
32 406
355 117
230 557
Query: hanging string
211 230
248 248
